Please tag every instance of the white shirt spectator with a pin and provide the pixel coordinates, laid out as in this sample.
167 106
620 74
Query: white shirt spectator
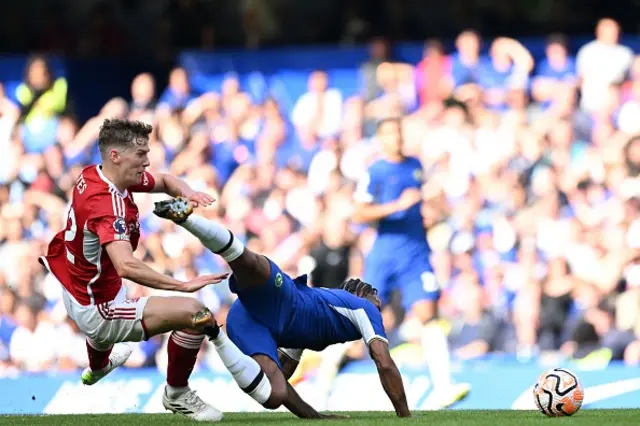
600 65
34 350
72 345
305 112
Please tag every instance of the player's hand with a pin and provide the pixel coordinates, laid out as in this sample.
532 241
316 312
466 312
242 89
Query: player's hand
200 199
203 281
408 198
330 416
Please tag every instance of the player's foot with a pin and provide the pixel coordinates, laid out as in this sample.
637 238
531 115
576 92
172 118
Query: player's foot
189 404
119 355
176 209
455 393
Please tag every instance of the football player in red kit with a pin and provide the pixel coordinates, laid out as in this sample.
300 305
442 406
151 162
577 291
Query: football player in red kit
92 255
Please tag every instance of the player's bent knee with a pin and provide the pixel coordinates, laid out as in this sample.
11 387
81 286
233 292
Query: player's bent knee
272 389
277 398
198 314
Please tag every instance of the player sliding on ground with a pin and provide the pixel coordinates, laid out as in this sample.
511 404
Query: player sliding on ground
275 311
95 251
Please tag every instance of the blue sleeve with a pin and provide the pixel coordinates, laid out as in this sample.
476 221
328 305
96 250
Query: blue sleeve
417 175
368 187
373 328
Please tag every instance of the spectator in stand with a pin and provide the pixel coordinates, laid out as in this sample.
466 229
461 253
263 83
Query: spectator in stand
531 204
380 52
434 74
42 99
177 95
601 63
507 70
557 67
143 102
467 59
320 108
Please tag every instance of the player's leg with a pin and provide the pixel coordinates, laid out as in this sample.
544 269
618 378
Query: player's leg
134 320
378 271
103 355
189 321
250 269
283 393
289 360
247 337
420 295
264 290
251 344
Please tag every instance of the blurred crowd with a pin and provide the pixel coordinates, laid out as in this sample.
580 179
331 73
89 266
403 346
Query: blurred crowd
532 195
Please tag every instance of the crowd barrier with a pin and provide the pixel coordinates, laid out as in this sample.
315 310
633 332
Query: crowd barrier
495 386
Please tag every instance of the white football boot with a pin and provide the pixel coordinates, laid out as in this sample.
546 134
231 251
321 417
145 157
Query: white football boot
119 355
451 395
189 404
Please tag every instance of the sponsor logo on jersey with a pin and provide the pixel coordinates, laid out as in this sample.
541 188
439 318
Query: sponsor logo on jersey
278 280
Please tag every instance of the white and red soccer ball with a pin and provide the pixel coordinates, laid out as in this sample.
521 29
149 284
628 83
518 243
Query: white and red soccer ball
558 393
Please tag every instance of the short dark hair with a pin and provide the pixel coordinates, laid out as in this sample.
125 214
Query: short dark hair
358 287
559 39
121 133
434 44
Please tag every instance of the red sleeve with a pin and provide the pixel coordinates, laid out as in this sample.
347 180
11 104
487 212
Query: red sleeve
146 184
107 218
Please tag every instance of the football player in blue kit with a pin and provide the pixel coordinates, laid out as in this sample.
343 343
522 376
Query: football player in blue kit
274 311
389 198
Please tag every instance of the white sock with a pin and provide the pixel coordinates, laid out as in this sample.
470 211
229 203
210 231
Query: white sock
175 392
244 369
436 352
215 237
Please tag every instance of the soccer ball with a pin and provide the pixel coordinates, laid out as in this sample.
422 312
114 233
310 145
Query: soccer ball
558 393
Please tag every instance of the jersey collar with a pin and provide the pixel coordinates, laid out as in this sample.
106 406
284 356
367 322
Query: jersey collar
111 184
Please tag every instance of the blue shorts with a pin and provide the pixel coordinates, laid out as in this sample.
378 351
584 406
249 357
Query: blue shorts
409 273
250 335
256 320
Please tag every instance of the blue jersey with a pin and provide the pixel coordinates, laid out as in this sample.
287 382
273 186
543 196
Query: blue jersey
286 313
323 317
384 182
399 258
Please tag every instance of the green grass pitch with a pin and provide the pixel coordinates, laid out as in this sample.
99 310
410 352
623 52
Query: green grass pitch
437 418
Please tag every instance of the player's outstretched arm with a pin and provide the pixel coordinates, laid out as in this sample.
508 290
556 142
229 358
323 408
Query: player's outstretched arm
132 268
176 187
390 377
369 212
298 406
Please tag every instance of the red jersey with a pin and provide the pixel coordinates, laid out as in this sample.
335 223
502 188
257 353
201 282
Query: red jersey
99 214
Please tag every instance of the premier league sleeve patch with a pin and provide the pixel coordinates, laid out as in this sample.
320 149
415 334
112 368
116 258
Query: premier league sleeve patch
120 226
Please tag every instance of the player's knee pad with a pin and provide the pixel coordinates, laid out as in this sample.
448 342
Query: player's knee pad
259 389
